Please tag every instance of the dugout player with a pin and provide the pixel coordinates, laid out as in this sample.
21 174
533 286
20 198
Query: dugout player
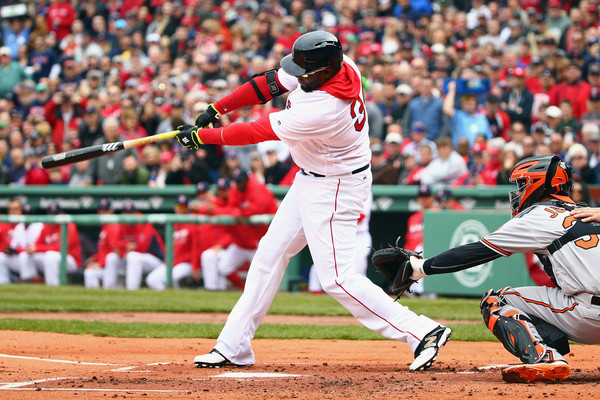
535 323
325 125
185 253
104 266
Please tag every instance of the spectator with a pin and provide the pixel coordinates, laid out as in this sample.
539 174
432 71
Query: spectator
498 119
134 173
11 71
419 140
517 102
593 108
447 201
573 89
108 170
384 172
445 169
81 175
580 193
185 250
426 109
63 112
90 129
104 266
44 255
577 156
568 125
465 122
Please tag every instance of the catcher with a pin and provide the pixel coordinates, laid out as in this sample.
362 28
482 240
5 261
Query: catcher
533 323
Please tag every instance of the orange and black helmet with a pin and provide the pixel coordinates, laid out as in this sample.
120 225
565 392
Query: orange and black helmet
538 177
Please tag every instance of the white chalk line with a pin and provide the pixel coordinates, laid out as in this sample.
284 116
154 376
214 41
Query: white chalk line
56 361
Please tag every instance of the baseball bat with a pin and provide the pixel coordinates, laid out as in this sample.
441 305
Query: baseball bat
87 153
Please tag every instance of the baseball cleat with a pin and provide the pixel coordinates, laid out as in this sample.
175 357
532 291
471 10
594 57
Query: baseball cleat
214 359
525 373
429 348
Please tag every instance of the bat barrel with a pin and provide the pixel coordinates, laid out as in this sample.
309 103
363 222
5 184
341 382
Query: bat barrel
77 155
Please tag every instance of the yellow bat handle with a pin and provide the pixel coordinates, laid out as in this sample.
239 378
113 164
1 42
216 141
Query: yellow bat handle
149 139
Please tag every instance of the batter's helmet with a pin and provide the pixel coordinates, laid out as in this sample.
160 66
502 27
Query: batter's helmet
538 177
312 51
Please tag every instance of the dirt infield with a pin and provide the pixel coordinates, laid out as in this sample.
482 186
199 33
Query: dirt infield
47 365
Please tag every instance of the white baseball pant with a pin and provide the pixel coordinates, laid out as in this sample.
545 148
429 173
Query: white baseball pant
47 262
211 277
157 279
8 263
323 213
136 264
108 276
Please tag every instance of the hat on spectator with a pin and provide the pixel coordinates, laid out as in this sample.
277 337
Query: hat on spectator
91 110
54 208
517 72
4 51
531 10
35 135
537 60
560 53
403 88
547 72
153 38
202 187
553 112
438 48
120 24
444 194
231 153
94 74
554 4
460 45
129 207
376 148
418 127
223 183
549 40
393 137
41 87
595 94
328 19
181 200
131 83
592 40
239 174
492 98
104 204
165 156
495 64
479 148
538 127
424 190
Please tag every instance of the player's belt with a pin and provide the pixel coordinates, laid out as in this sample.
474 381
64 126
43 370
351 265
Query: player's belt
316 175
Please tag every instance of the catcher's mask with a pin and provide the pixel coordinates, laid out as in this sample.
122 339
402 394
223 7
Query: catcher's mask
312 52
538 177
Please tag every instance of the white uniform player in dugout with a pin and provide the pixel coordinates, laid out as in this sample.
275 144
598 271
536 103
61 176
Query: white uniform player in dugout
325 125
535 323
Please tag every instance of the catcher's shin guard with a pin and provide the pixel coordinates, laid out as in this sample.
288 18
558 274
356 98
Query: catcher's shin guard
511 327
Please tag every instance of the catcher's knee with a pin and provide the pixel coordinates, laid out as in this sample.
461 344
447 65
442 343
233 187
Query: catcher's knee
491 301
510 327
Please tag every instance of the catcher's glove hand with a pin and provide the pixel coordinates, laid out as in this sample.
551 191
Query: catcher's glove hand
394 264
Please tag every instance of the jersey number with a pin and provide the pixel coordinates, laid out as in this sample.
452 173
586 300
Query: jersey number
359 124
582 243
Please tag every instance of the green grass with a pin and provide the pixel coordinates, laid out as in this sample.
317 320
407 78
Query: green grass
24 297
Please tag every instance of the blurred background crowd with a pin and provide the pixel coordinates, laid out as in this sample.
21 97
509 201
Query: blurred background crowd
458 91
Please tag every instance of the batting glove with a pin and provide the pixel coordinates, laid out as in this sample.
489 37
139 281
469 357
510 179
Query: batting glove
209 116
188 136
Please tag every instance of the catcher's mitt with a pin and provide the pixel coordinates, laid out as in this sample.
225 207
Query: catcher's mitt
394 264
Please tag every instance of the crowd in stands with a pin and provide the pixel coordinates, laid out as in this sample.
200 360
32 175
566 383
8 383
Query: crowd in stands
458 91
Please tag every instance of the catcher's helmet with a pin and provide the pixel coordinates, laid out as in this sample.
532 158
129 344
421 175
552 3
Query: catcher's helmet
312 51
538 177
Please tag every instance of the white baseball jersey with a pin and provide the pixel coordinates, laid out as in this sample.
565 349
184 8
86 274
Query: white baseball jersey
320 129
574 264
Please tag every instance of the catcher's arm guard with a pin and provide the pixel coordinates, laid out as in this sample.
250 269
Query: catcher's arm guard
394 264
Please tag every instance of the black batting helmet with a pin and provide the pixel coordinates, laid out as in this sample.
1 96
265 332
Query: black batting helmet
312 51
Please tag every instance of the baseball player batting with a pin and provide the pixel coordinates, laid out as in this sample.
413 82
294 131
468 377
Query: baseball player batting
533 323
325 125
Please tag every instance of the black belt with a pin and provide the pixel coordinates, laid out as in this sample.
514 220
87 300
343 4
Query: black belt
596 300
356 171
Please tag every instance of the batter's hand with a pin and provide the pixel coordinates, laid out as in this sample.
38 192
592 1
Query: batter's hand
209 116
188 136
587 214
